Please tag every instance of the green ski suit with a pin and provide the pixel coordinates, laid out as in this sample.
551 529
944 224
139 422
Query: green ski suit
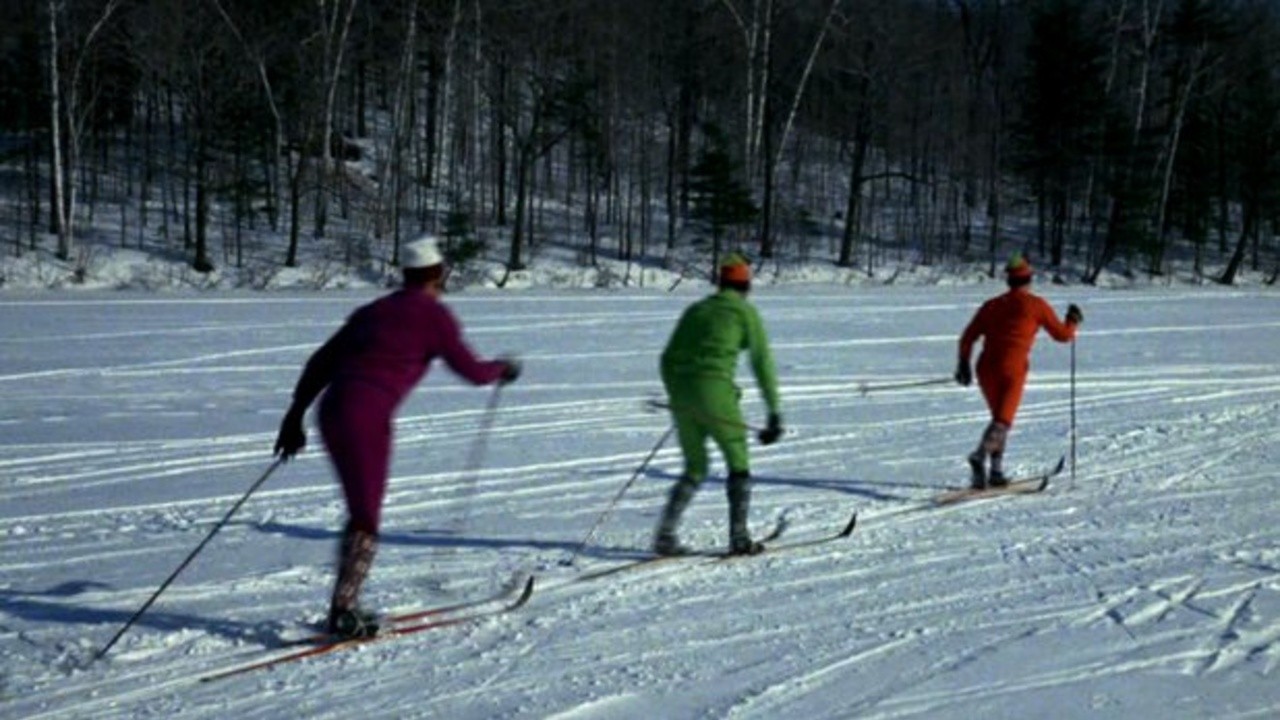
698 367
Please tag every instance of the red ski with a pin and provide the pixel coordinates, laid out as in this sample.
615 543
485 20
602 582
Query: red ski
508 589
408 624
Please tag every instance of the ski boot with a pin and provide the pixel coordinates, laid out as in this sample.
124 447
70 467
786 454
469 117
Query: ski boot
355 556
739 491
744 545
353 624
997 478
664 540
978 474
667 545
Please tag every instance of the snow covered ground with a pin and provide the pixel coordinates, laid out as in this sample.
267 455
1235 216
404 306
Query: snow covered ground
1147 584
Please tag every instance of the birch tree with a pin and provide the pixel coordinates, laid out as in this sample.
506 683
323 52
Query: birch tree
69 113
335 25
1126 221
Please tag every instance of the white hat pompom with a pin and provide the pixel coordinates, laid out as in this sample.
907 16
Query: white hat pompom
421 253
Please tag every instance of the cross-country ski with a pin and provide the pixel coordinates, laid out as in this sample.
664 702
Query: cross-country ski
768 548
411 624
508 589
1016 486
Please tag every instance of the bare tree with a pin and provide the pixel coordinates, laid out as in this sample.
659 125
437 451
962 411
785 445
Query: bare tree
888 116
1126 218
257 56
69 112
772 160
335 25
755 24
1184 94
392 176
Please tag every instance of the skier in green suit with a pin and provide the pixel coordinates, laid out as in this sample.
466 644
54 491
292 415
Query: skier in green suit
698 367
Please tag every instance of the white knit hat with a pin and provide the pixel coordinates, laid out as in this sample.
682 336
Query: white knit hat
421 253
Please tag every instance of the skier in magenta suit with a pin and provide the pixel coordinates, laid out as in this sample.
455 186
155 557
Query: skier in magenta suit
365 370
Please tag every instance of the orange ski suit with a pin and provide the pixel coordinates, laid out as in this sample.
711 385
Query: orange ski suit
1008 325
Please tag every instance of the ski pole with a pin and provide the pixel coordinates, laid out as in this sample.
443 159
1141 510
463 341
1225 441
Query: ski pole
214 531
475 456
1073 414
655 404
622 491
865 388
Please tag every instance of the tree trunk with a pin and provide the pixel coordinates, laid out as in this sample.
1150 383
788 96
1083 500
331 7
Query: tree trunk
434 101
766 200
861 150
524 163
201 263
59 214
1175 137
500 145
1228 276
295 210
672 176
335 43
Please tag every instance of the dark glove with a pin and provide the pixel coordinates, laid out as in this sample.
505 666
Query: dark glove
510 370
1075 315
292 436
770 434
964 374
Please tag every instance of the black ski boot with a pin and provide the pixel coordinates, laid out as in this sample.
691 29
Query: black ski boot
665 541
739 490
353 624
744 545
997 478
977 473
668 545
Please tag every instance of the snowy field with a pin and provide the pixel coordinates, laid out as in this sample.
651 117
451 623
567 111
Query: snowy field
1146 584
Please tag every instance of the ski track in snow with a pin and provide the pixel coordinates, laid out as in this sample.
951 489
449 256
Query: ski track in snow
1145 580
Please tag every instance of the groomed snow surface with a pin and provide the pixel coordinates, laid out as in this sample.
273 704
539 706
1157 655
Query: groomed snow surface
1146 583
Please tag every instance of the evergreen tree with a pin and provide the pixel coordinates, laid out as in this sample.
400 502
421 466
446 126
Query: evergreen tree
717 197
1256 148
1062 112
1199 32
461 244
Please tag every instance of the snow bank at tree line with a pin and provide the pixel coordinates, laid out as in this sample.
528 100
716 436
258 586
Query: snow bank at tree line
114 268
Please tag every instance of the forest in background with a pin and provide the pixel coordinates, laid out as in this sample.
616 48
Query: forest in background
1093 133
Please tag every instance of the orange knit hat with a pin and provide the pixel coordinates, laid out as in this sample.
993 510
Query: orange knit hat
1018 267
735 269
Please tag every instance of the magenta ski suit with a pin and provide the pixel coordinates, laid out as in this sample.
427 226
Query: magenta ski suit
369 367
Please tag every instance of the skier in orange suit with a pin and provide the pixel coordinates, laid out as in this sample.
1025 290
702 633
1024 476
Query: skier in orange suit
1007 324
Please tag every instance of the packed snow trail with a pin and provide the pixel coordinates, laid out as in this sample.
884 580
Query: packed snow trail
1150 585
